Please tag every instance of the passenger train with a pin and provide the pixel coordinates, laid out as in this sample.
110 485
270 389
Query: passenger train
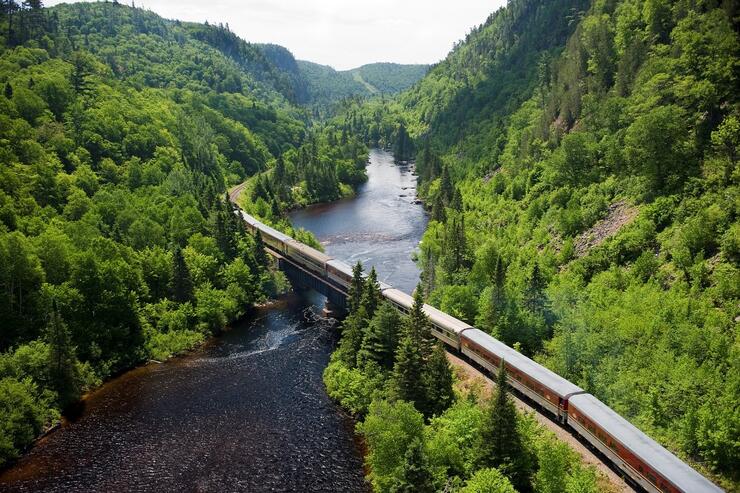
642 459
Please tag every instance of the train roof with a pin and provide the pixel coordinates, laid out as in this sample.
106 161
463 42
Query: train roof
246 217
383 286
665 463
443 319
399 297
546 377
312 252
340 266
267 229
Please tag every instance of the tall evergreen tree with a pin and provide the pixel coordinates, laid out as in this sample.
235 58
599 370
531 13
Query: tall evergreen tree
260 254
418 325
80 75
65 377
438 212
353 329
182 284
501 444
356 288
381 338
408 371
371 294
8 91
456 202
446 188
438 381
535 290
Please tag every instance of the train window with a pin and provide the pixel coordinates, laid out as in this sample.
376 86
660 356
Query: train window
639 468
651 478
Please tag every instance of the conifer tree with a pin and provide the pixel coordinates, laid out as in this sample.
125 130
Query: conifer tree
8 91
182 284
438 380
356 288
80 74
260 254
371 294
63 370
418 325
438 212
415 476
500 442
381 338
534 295
353 329
408 371
445 186
456 202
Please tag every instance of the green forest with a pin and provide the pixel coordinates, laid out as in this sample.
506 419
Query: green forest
120 133
423 432
580 164
578 160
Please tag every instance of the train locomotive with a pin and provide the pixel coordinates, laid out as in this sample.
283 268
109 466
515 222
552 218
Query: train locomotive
638 456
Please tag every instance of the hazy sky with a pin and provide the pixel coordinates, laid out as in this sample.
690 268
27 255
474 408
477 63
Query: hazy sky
340 33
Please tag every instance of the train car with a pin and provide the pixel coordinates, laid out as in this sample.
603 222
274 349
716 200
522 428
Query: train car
551 391
402 301
644 460
339 274
307 257
272 237
446 327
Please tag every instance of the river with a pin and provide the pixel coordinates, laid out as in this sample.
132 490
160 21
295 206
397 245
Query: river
247 411
379 227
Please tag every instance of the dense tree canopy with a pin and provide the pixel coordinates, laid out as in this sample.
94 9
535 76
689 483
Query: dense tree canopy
594 149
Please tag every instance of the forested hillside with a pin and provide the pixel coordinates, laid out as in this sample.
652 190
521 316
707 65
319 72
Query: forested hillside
119 134
580 163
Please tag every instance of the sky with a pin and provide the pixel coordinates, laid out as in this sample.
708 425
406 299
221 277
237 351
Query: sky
341 33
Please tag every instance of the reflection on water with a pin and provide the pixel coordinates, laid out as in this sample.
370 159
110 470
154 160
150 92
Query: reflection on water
380 227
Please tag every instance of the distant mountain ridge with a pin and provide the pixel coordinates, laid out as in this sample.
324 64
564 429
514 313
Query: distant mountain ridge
325 84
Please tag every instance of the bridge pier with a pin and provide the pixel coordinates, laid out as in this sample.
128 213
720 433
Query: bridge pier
336 300
333 311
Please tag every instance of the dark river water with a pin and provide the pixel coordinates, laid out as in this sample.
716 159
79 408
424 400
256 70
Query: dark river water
247 411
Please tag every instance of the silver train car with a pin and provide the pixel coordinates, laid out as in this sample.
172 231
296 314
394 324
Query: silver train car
543 386
642 459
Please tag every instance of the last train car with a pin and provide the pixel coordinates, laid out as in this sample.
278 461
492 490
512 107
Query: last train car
543 386
642 458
